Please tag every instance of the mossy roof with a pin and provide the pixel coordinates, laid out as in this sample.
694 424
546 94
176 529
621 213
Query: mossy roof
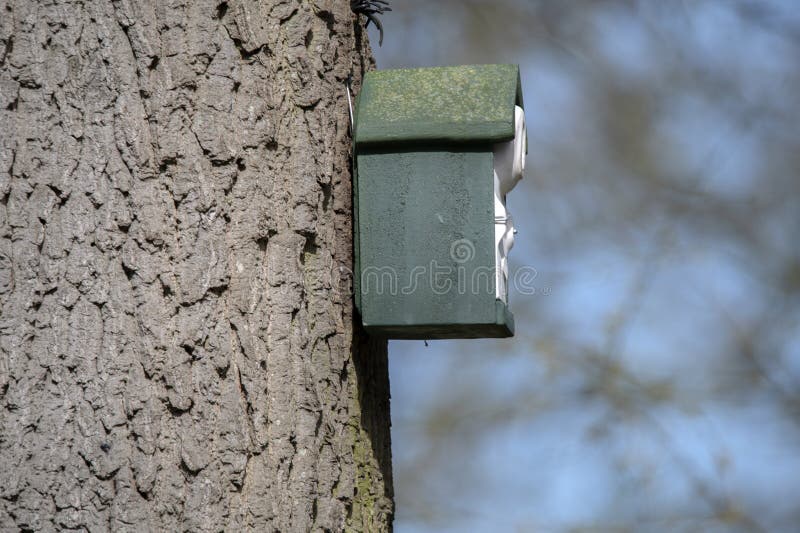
463 104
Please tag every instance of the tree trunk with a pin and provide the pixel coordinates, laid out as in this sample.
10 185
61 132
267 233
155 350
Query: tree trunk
178 344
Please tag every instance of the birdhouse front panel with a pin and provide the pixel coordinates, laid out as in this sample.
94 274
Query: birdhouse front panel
432 232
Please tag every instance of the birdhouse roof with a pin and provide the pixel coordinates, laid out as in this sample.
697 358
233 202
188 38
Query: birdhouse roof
463 104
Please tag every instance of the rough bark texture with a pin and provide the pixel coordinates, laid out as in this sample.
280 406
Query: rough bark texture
177 334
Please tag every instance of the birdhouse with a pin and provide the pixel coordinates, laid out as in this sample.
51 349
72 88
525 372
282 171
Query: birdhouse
436 152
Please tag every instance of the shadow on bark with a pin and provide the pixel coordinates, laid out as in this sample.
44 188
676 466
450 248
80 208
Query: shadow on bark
372 373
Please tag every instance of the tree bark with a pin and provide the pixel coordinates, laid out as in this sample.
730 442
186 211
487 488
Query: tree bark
178 347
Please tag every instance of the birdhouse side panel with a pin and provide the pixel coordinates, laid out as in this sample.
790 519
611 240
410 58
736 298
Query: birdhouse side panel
425 242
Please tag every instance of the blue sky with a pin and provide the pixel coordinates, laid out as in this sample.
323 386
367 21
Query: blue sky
663 298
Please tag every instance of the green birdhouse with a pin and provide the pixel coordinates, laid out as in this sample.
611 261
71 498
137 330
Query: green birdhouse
436 152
